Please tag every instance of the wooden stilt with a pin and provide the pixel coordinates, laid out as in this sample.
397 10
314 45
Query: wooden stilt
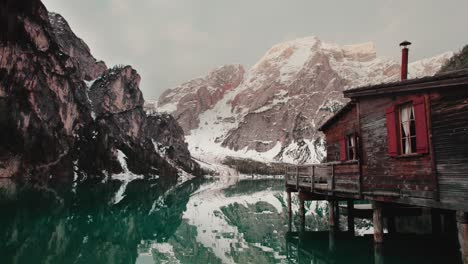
302 211
378 254
331 214
289 211
350 207
298 251
337 216
331 240
378 222
465 243
462 223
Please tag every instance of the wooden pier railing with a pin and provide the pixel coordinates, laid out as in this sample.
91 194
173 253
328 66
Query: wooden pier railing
329 177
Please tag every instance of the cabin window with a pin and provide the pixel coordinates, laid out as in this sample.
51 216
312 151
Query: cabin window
348 150
407 129
351 147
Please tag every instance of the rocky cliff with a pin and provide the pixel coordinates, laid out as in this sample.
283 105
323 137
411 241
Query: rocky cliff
53 127
273 113
88 67
187 101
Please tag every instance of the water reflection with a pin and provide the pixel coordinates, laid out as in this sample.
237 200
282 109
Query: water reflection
201 221
42 226
333 247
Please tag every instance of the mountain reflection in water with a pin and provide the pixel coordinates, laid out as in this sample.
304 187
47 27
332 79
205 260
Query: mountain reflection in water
227 220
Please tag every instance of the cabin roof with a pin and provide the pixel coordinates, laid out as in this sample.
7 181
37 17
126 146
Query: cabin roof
445 80
347 107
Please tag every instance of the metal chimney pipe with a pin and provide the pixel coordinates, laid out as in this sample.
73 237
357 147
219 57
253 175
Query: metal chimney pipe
404 59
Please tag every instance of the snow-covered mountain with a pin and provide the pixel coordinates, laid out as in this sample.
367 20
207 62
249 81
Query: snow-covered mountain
273 110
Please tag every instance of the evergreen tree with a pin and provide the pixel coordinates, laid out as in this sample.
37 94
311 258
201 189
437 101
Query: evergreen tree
457 62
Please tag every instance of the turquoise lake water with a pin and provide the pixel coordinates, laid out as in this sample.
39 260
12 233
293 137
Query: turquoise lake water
227 220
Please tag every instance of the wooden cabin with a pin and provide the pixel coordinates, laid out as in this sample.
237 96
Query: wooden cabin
401 143
410 138
404 142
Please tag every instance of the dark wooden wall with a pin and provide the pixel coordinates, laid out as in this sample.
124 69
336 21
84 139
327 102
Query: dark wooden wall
346 124
346 177
442 173
412 176
449 110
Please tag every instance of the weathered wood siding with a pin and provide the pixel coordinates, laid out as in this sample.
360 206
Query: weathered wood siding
346 177
409 176
345 125
449 110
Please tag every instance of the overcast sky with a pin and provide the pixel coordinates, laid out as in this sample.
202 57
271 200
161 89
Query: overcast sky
173 41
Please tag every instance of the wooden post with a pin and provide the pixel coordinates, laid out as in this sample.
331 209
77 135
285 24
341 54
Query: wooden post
289 210
359 146
378 254
360 178
298 249
297 178
331 214
331 241
302 211
285 176
312 179
462 223
431 147
350 207
333 179
337 216
378 223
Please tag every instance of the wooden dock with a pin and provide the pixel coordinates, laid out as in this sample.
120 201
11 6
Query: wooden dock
326 179
337 182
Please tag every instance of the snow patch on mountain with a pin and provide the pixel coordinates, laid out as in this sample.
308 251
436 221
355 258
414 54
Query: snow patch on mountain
125 177
271 112
428 66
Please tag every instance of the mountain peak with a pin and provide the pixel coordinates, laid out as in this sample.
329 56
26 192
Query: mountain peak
299 42
273 110
360 52
88 67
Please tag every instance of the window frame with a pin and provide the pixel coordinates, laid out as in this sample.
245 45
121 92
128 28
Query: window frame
348 138
421 111
400 132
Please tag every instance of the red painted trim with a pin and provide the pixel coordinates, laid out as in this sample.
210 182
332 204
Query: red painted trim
343 154
422 145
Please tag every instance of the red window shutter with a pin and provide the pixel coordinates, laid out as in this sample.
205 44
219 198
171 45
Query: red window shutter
419 105
343 149
392 138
